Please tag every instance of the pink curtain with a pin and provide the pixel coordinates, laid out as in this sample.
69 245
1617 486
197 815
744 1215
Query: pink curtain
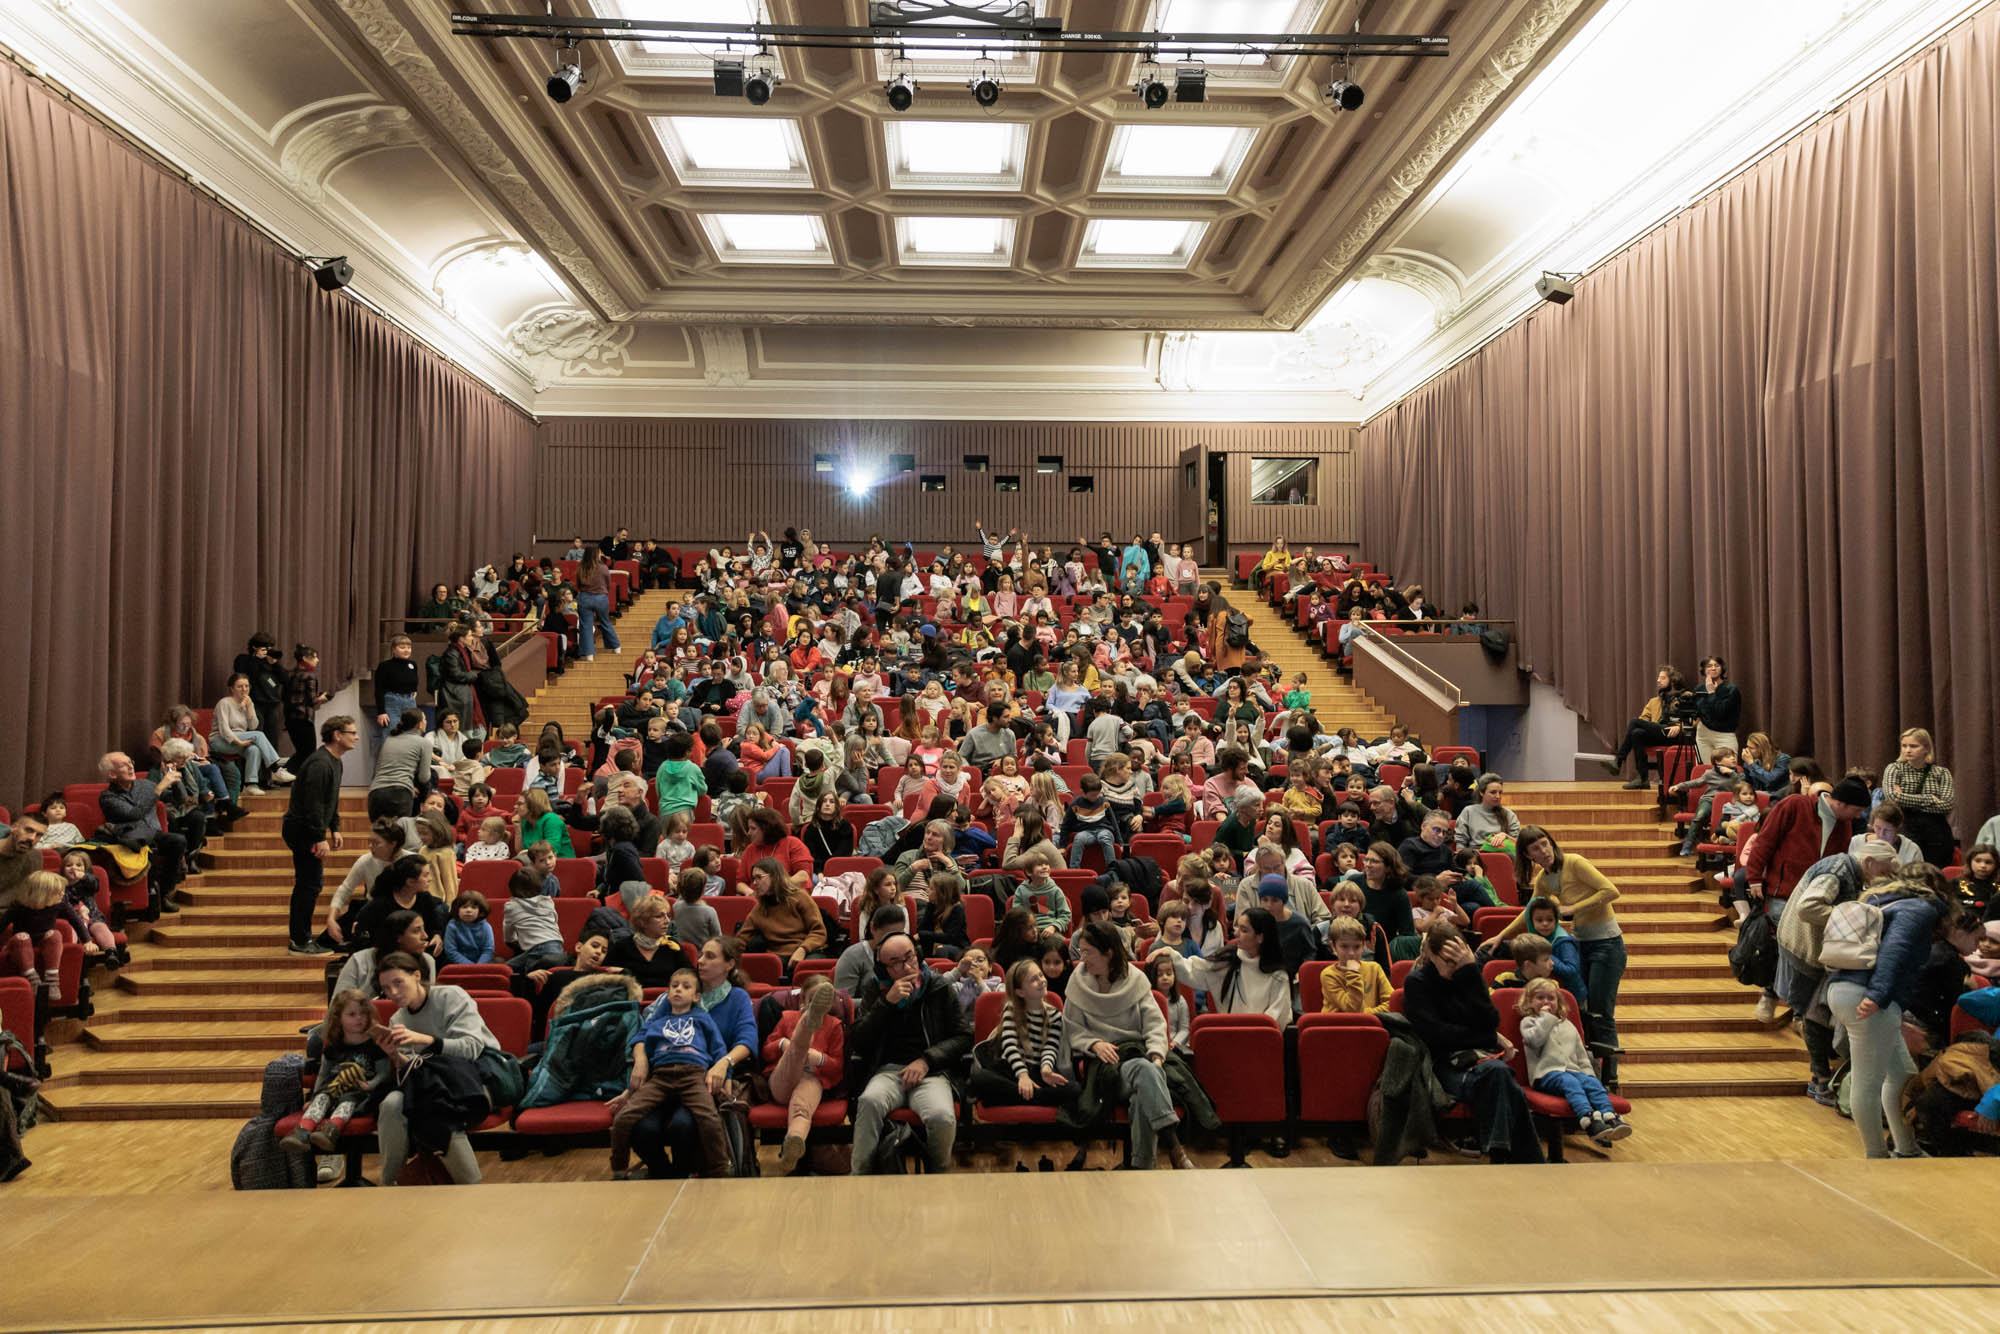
1770 430
199 444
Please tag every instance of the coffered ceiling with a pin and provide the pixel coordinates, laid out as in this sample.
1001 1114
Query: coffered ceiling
650 246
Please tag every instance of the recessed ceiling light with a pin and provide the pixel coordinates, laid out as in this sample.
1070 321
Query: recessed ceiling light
954 236
1175 150
953 147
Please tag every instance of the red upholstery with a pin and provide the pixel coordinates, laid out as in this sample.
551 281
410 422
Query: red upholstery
17 1011
1499 868
489 977
1166 849
1399 970
1340 1058
1240 1060
730 910
565 1118
768 969
986 1012
709 836
576 875
775 1115
978 916
842 865
1444 755
1543 1104
658 875
511 781
1488 921
489 879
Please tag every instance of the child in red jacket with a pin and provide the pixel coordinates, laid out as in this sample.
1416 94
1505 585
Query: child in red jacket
803 1058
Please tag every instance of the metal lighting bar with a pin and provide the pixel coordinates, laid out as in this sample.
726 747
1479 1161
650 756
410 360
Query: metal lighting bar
942 37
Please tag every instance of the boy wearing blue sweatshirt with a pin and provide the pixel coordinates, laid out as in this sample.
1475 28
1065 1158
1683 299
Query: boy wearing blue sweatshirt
676 1045
468 937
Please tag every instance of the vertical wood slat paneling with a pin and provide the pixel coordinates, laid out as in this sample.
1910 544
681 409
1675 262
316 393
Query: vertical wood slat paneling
710 480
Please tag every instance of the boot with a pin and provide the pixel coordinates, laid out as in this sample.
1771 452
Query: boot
1637 783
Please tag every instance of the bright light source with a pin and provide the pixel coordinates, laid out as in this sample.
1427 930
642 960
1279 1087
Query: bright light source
1176 150
858 483
954 236
955 147
1137 236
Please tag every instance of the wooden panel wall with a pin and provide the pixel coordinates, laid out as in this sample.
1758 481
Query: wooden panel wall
710 480
1337 516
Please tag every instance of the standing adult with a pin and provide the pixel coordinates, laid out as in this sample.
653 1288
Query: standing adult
1801 980
402 768
1584 897
264 666
593 603
909 1029
132 819
455 676
1924 789
311 826
1118 1035
396 680
1718 709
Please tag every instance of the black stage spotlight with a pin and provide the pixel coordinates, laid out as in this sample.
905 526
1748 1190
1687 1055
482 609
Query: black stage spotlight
902 91
729 78
985 89
1152 92
758 87
1190 81
565 81
1344 95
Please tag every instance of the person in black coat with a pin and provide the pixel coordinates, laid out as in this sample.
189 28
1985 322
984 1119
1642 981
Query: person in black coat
1446 1001
262 663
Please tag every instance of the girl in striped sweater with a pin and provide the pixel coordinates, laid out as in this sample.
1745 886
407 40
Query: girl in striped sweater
1022 1062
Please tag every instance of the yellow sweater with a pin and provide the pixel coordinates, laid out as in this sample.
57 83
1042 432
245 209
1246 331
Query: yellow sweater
1364 992
1582 891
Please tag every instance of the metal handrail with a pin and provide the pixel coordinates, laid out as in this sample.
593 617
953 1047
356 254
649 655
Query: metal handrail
1407 660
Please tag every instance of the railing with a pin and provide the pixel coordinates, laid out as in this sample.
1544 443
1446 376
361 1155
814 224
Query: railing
1448 694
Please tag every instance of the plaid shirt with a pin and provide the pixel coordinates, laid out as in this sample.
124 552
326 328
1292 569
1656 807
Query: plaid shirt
1928 788
301 693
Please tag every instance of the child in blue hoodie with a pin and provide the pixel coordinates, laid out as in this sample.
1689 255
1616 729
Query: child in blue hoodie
468 936
676 1045
1565 959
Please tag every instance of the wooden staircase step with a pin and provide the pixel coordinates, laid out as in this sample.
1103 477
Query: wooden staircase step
262 983
120 1007
1713 1079
1678 991
1721 1016
95 1069
271 957
279 1035
1676 942
1715 963
234 1101
1649 1047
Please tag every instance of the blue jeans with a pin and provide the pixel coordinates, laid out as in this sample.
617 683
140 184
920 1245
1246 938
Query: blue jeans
1084 837
1603 970
778 766
256 749
1583 1092
593 612
393 706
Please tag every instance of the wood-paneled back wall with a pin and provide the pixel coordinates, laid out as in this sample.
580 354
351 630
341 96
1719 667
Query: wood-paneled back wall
711 480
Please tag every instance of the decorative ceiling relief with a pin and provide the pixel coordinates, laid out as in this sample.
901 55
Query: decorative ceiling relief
316 148
569 343
725 360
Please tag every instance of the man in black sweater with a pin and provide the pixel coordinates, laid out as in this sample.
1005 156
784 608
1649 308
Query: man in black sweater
312 825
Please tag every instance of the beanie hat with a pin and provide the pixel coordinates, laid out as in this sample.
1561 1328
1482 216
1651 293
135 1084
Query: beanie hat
1273 887
1095 899
1850 791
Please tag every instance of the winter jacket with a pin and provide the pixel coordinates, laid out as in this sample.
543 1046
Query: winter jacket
1408 1100
945 1030
588 1054
1788 841
1451 1014
1909 921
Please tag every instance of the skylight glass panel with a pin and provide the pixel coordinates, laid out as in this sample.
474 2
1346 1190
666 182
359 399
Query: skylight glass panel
738 143
768 231
1147 237
1249 16
1175 150
940 147
954 236
685 11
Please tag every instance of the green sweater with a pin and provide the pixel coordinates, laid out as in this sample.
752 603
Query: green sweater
680 786
550 827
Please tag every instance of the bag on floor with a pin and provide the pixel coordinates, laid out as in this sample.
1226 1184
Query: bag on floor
742 1139
423 1168
255 1160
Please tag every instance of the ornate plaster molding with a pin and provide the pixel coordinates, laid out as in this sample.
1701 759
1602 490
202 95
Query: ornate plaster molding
569 343
1176 355
1340 356
321 146
1436 279
1501 69
398 47
725 360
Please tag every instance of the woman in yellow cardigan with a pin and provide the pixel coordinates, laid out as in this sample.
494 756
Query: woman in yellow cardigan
1542 868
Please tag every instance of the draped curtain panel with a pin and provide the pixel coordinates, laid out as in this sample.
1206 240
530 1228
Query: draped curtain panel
199 444
1770 430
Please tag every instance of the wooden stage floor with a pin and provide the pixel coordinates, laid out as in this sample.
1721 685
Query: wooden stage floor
1820 1244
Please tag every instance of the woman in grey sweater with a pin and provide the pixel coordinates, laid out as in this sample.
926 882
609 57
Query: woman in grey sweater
402 766
1482 824
442 1020
1111 1019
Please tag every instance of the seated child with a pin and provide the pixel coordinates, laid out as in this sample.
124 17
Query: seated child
33 931
1347 865
1348 902
1354 984
1159 967
1559 1064
1171 815
531 928
1042 896
1090 819
972 977
1984 961
1124 918
803 1058
1530 954
1094 905
1720 778
970 843
491 845
1740 811
1978 891
1429 902
733 807
468 937
478 805
542 861
60 832
676 1045
1565 956
353 1072
1348 828
80 886
674 845
1172 923
709 862
1473 890
695 922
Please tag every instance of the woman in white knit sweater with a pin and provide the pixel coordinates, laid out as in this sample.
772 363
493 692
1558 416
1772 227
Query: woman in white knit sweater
1248 976
1111 1018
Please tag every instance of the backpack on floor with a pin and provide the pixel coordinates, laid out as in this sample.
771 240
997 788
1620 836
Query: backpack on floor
1853 936
255 1160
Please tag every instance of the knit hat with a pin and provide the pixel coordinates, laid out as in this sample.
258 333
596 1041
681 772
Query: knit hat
1850 791
1273 887
1873 850
1095 898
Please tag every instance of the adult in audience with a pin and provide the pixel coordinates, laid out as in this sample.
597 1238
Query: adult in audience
402 930
725 995
311 826
1385 891
1118 1035
1487 825
1924 789
1430 852
179 726
132 820
648 951
593 602
771 837
402 768
263 664
858 959
429 1020
236 732
915 867
991 741
1799 831
1030 840
1801 980
19 857
1392 818
909 1030
397 680
406 886
386 842
1651 728
1249 975
1446 1001
1718 708
499 701
456 675
784 920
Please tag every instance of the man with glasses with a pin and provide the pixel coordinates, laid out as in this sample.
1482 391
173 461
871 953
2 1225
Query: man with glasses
909 1032
312 825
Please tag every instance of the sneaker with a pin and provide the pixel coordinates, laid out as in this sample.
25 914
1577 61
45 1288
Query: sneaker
1613 1129
282 776
1636 784
1914 1153
815 1009
307 947
298 1143
789 1153
325 1137
1684 850
1767 1008
330 1170
1821 1094
251 790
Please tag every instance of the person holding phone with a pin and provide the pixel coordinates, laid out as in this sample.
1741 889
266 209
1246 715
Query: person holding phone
909 1032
